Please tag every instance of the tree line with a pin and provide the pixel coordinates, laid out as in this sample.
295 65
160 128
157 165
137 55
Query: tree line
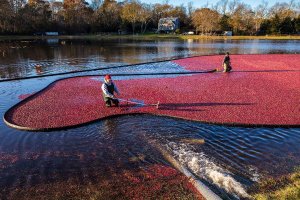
132 16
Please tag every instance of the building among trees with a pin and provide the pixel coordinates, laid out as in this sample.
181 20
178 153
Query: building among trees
169 24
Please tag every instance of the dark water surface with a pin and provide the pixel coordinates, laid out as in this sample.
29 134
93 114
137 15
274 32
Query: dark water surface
230 160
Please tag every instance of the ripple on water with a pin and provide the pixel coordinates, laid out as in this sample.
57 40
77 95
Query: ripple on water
231 157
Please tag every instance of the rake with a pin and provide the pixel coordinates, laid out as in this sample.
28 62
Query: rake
143 104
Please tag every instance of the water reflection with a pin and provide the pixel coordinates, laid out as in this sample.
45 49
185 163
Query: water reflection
18 58
230 159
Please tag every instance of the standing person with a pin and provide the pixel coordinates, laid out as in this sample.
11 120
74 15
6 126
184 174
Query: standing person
227 63
108 90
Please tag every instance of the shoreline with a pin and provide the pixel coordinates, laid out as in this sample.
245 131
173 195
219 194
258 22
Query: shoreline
151 37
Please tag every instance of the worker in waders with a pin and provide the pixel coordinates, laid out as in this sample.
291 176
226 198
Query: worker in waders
108 90
226 63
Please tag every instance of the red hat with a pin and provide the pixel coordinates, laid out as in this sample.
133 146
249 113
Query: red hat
107 77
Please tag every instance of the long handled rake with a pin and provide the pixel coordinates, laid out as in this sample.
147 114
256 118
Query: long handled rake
143 104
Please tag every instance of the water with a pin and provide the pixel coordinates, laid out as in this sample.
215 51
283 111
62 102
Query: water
230 160
19 58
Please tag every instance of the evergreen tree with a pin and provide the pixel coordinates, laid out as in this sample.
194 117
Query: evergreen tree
286 26
224 23
265 27
275 25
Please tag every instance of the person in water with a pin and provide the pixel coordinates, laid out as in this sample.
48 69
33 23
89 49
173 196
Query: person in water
108 90
38 69
227 63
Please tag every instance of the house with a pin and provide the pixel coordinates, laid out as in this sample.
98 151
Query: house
169 24
227 33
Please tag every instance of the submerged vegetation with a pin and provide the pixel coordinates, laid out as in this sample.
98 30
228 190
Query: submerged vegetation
156 182
284 187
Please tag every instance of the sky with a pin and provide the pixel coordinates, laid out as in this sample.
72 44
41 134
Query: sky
201 3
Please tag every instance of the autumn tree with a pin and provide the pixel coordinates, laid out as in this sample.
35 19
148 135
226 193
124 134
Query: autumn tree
77 16
205 20
131 13
6 16
145 17
9 10
241 19
41 14
34 17
107 17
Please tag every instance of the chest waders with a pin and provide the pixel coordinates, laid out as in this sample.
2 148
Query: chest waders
226 64
108 100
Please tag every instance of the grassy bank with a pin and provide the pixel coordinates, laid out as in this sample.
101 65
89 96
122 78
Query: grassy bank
285 187
154 36
271 37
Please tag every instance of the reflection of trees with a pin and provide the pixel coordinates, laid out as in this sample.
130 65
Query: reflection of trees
113 51
18 58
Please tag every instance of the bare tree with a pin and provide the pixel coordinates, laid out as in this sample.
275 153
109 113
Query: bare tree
190 9
17 4
283 10
233 6
260 14
221 6
145 17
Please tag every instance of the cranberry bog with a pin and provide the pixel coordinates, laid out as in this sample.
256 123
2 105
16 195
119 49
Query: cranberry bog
262 90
